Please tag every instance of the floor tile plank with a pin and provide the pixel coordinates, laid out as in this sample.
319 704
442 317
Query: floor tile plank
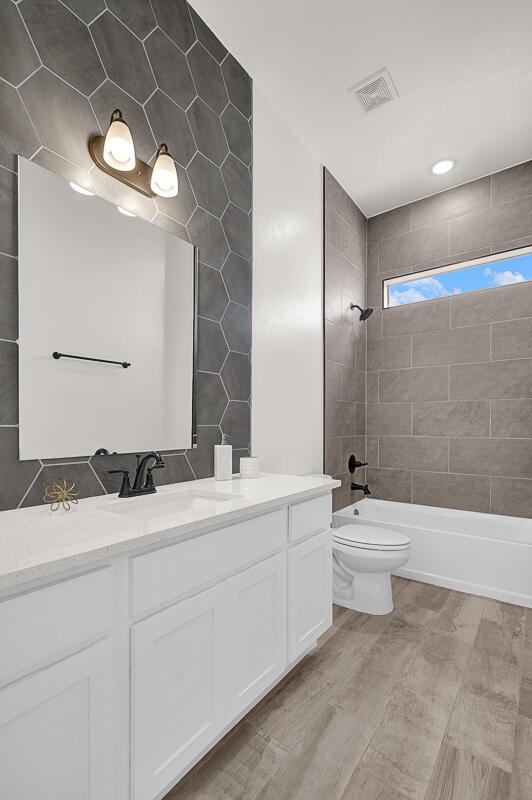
522 767
460 616
458 775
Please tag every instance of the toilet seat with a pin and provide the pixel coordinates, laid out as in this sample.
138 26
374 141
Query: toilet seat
369 537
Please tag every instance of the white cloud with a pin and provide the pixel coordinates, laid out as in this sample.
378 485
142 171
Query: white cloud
505 278
422 289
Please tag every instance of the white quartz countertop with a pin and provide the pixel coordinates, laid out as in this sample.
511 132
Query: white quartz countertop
36 542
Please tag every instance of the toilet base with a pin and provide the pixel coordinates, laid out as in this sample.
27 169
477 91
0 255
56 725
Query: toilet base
369 593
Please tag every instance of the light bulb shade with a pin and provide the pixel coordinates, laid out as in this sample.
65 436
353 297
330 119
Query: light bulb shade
118 147
164 175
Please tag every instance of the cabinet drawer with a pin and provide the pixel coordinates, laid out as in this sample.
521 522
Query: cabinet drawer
310 517
39 624
170 572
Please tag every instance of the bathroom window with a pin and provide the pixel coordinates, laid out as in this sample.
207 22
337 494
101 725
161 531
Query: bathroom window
502 269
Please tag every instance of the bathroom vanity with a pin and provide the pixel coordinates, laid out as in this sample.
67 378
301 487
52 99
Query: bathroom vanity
135 633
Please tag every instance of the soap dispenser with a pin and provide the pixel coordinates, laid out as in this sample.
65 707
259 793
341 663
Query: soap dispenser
223 460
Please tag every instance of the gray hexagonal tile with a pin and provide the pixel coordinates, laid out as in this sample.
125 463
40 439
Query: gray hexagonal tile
238 182
212 296
180 207
236 323
171 226
9 213
175 21
238 133
136 14
208 78
237 227
108 97
17 134
238 85
169 124
15 476
208 132
211 398
9 297
236 376
206 232
212 348
123 56
237 276
208 185
202 458
18 57
236 423
176 470
87 482
62 116
86 9
64 43
207 37
9 383
170 68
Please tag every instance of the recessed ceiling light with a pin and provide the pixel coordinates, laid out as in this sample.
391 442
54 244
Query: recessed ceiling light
443 166
125 212
81 189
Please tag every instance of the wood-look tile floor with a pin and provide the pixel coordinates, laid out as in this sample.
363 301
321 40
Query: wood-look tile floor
431 702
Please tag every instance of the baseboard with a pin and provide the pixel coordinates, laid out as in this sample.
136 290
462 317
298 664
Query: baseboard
468 588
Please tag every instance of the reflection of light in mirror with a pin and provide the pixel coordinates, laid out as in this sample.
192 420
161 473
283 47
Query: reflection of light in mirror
125 212
81 189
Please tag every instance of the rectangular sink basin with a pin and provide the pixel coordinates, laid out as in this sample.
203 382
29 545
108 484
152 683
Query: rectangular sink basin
170 504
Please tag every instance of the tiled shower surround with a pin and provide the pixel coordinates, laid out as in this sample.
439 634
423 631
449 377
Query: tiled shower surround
345 337
64 67
449 381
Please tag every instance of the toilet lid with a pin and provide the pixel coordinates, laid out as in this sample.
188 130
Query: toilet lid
372 536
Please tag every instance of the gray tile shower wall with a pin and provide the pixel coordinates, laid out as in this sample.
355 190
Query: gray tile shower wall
64 67
449 414
345 338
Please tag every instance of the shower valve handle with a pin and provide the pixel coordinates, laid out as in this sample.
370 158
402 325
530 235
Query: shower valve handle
354 463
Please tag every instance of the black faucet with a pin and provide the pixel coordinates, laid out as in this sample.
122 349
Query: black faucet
352 465
143 482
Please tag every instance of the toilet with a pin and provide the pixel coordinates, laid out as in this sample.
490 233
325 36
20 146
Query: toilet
364 556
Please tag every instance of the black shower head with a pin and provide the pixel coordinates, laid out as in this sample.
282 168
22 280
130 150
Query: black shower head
364 312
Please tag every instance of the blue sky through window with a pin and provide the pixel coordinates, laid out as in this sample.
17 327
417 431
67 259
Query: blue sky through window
471 279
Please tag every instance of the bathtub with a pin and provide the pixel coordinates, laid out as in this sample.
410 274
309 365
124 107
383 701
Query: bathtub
481 554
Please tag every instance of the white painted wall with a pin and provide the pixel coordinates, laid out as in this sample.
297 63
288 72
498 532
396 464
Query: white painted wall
287 355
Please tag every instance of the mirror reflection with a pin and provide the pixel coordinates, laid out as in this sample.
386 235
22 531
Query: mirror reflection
107 316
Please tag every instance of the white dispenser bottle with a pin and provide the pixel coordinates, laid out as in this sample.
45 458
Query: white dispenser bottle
223 460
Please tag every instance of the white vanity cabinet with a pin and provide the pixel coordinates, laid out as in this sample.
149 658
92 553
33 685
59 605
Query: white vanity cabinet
115 681
57 691
177 688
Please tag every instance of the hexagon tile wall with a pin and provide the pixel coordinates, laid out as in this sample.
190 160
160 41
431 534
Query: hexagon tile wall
64 66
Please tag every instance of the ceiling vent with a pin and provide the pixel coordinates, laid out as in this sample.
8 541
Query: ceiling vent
374 91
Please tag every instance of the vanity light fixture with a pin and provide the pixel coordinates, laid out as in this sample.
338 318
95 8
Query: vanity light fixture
81 189
443 166
115 154
164 176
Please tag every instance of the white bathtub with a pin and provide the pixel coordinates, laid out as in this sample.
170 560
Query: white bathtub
482 554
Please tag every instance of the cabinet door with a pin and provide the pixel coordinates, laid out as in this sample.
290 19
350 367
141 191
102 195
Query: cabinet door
178 688
56 730
256 631
309 592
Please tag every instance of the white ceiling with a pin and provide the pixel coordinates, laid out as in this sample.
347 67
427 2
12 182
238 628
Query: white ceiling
463 70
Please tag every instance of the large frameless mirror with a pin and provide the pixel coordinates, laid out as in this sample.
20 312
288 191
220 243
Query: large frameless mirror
107 326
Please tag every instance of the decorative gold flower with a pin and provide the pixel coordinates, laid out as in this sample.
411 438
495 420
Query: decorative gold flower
59 494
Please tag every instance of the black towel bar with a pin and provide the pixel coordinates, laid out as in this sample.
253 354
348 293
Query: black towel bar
124 364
